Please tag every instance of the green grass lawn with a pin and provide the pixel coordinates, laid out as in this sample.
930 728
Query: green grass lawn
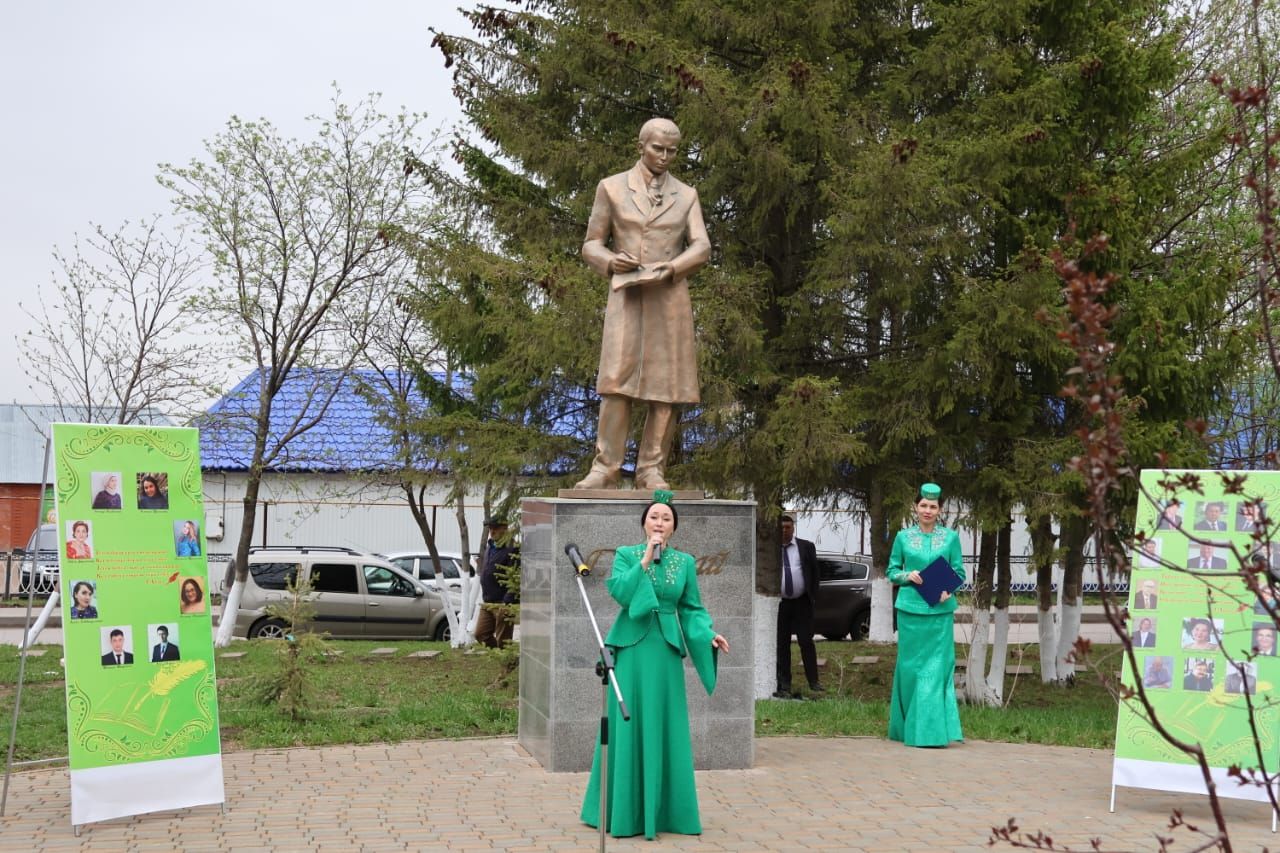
367 698
857 701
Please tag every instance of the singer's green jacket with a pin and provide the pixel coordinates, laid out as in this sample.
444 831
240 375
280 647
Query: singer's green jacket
678 612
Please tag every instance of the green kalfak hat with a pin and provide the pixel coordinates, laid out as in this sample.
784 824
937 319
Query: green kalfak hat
931 491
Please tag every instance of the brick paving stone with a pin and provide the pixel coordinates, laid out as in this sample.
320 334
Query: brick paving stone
865 659
231 655
424 653
384 650
803 794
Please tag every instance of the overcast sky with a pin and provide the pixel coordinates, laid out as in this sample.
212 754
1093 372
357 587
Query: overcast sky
97 94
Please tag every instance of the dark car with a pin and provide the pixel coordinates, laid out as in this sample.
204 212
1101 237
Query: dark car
844 597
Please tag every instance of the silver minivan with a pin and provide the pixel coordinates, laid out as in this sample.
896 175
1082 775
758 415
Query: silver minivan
355 595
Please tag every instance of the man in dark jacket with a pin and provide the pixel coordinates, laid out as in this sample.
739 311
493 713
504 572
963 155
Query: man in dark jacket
799 561
494 625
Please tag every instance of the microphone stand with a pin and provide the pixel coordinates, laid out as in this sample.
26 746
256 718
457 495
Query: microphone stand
604 669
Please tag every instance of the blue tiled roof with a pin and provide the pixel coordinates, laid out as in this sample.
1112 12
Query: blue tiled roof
349 437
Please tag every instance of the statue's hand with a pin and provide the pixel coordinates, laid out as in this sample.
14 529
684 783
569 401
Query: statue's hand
663 273
623 262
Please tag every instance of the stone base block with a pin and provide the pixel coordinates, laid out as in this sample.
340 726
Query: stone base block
560 694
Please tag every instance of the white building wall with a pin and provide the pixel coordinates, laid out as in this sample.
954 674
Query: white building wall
327 509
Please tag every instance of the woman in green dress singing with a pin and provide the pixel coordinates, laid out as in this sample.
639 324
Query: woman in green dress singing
651 787
922 711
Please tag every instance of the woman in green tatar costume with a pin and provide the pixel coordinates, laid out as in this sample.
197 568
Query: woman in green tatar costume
651 787
922 711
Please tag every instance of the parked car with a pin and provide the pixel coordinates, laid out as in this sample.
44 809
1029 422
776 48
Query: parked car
355 595
40 560
419 565
843 606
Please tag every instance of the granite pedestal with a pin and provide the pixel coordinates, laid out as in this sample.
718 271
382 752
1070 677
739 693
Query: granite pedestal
560 694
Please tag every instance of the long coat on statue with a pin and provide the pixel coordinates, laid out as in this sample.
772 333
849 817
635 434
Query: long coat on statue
648 351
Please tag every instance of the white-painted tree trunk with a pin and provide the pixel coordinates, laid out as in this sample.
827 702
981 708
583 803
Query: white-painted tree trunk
999 655
881 630
450 614
41 620
764 637
473 615
1067 639
461 612
227 622
1047 632
975 683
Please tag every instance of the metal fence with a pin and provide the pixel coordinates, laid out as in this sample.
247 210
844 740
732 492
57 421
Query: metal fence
23 570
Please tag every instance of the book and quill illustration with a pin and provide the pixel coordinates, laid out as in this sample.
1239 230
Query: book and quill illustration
144 706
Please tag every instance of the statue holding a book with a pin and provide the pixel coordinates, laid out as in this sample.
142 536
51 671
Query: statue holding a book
646 236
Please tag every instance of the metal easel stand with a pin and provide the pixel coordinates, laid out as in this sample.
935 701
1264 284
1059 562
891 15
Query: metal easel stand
22 658
604 669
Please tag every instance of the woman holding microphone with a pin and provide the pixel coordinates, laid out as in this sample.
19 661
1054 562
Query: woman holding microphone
651 786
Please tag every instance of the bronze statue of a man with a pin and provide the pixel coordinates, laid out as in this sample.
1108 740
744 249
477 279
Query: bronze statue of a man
653 223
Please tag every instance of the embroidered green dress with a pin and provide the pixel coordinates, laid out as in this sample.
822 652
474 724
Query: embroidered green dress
922 709
651 787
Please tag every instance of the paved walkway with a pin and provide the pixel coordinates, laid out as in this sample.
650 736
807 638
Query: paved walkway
844 794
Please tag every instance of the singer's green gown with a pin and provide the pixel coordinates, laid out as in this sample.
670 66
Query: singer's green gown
651 787
922 709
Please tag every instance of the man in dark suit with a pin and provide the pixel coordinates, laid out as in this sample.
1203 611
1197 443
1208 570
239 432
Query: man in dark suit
1250 516
164 650
1199 678
117 655
795 610
1212 517
1206 559
1145 636
1237 683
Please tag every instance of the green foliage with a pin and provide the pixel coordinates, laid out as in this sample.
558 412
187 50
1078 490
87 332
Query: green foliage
290 683
883 187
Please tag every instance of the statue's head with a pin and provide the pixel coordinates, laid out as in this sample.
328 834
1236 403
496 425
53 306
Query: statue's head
659 142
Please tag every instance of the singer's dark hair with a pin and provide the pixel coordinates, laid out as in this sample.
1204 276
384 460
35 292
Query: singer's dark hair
675 516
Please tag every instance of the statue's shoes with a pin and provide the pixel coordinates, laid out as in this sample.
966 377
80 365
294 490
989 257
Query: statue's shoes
648 482
597 480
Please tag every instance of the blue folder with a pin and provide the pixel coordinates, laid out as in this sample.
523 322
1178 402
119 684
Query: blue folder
937 577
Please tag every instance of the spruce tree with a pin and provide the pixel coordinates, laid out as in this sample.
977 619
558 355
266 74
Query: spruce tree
882 184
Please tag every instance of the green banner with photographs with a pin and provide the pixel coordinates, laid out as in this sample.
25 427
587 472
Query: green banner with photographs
142 715
1204 641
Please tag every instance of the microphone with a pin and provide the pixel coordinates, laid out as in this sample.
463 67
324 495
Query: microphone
657 553
580 566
